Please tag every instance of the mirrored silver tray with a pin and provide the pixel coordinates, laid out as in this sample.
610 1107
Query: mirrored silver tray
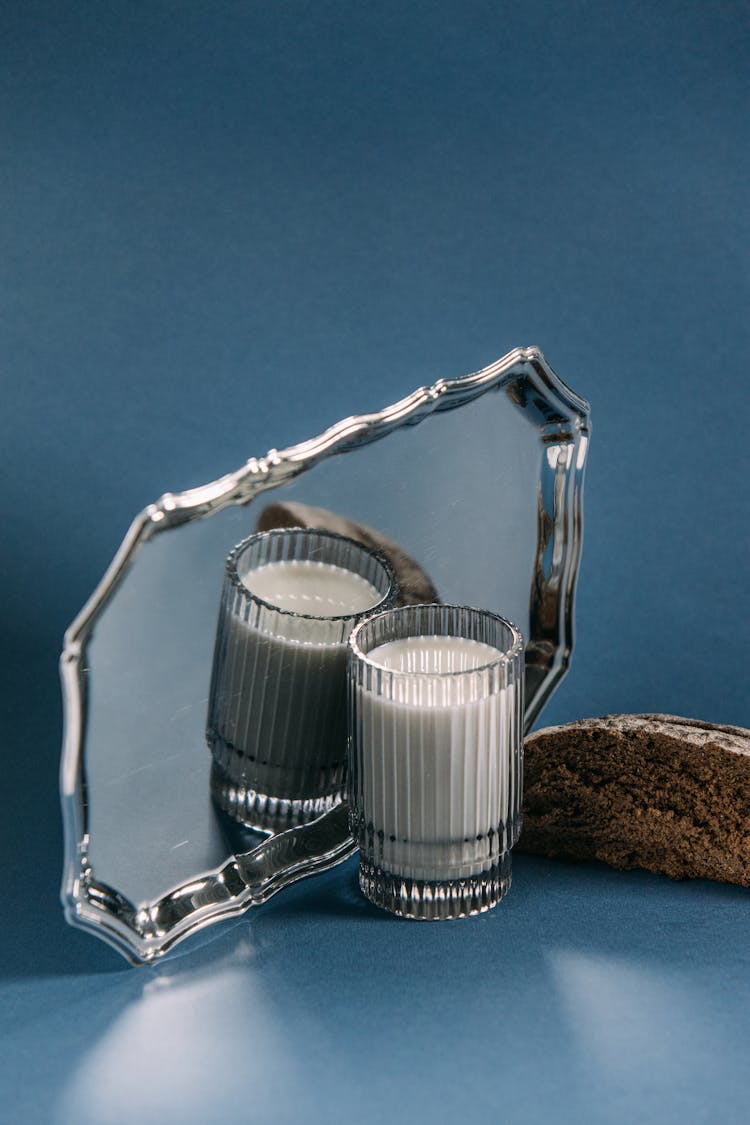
478 479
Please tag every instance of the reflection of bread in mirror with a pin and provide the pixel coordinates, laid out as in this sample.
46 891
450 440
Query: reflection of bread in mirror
415 587
667 794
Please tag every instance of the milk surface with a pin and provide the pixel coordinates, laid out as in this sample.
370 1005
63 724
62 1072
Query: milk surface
433 783
313 588
433 654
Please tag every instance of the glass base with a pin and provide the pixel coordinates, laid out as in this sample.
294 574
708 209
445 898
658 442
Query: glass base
429 900
267 813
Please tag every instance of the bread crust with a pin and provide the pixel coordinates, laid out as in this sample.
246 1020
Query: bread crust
660 792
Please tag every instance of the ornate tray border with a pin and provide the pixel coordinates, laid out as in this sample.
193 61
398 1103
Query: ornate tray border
563 421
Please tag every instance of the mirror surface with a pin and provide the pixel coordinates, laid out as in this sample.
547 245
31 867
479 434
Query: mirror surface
483 493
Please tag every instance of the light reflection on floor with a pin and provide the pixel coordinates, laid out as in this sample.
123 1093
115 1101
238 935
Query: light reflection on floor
171 1054
635 1025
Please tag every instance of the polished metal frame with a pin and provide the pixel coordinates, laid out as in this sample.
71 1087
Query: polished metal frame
562 419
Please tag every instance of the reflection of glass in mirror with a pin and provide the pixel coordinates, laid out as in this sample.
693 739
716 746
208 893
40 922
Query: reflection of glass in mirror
277 707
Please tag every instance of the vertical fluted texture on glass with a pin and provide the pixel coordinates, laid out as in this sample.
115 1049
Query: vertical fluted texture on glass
277 705
435 760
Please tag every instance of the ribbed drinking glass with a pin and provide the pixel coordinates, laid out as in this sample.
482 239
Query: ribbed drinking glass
435 742
277 706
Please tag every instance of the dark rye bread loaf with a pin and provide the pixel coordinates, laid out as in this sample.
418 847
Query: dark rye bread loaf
667 794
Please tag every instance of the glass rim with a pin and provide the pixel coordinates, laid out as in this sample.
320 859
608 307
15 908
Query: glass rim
297 532
504 656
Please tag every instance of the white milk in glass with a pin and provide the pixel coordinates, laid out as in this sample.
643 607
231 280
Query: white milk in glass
312 588
434 777
283 696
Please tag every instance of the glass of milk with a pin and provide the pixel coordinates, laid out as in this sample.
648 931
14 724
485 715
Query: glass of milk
435 743
277 706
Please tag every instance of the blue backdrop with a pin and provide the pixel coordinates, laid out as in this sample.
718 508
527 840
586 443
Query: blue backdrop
226 225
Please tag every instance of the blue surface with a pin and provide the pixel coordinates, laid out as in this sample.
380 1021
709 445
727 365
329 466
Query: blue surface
224 226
